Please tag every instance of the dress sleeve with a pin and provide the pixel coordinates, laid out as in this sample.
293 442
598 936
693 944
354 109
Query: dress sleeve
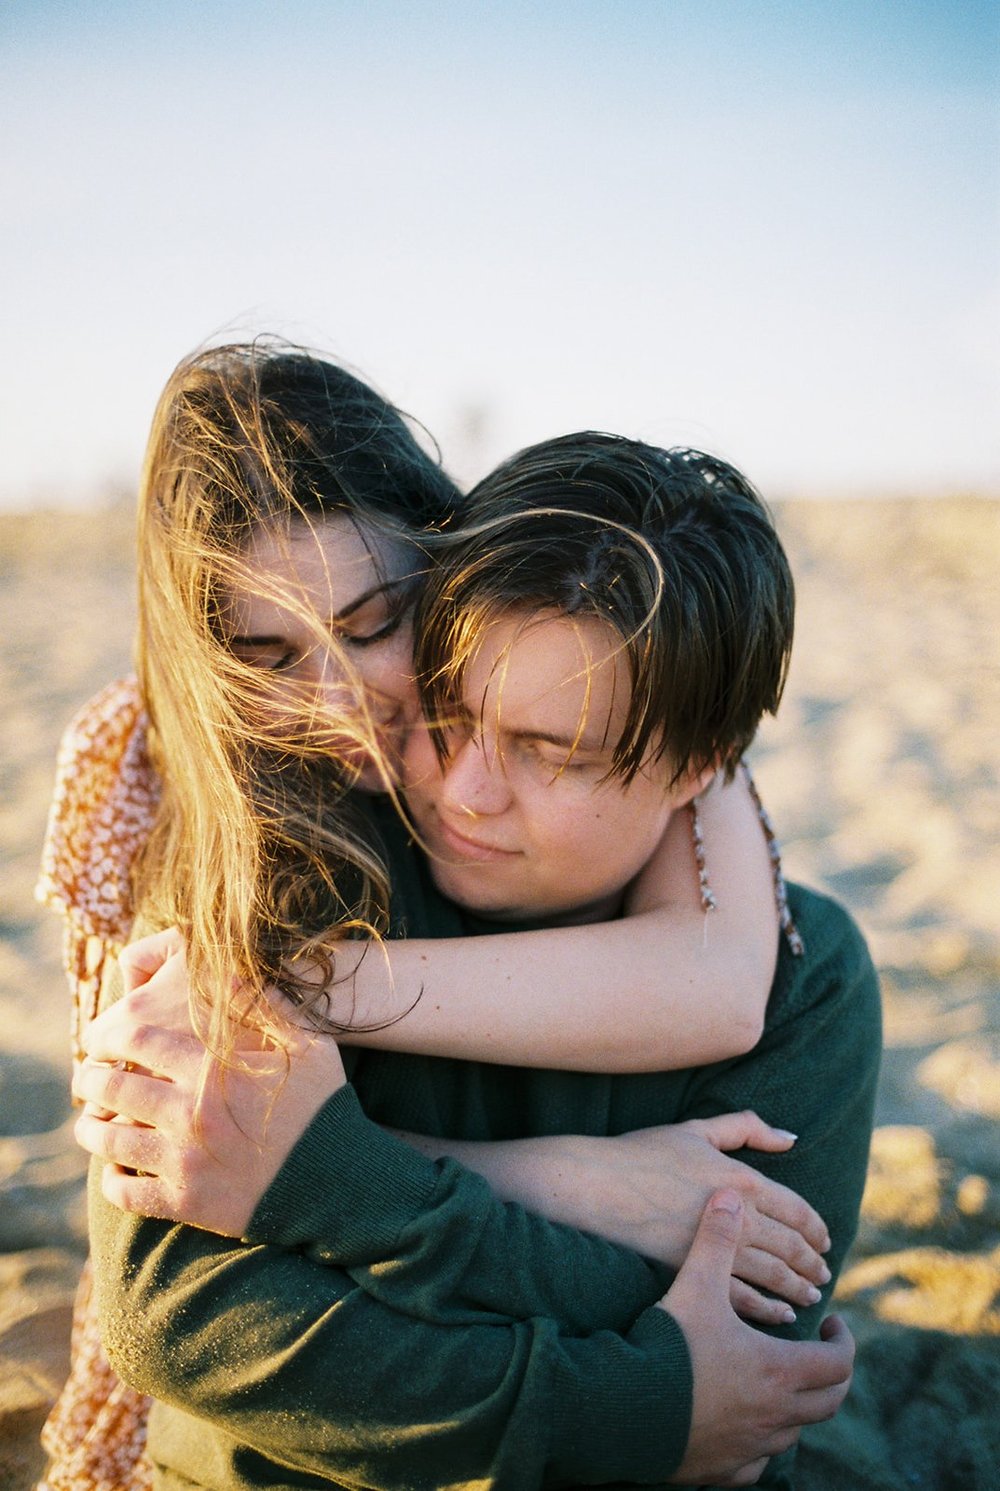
103 806
270 1356
431 1240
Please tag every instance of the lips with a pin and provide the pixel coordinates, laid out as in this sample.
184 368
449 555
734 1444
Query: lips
454 845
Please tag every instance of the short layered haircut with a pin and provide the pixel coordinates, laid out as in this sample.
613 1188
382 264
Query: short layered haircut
673 549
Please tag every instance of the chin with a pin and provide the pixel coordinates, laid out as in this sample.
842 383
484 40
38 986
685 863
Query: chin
465 892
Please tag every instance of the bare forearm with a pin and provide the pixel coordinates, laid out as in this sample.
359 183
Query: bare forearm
645 1191
666 987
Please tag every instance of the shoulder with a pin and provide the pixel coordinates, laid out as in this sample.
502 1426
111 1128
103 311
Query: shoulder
836 963
829 924
104 722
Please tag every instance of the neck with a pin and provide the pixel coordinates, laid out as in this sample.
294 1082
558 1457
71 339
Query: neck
608 909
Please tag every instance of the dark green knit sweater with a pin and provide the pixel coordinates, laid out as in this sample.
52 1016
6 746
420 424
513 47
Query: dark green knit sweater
393 1326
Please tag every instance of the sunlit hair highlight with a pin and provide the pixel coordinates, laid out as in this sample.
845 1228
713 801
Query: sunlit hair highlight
258 852
673 549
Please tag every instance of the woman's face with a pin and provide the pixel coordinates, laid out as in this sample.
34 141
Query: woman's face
360 588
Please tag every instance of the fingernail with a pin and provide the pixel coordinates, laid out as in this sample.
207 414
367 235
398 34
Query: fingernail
814 1295
827 1244
824 1274
786 1134
788 1317
727 1201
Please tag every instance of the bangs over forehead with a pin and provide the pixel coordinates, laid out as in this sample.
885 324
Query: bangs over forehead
674 550
529 568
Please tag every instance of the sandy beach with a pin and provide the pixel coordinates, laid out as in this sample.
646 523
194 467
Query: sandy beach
881 776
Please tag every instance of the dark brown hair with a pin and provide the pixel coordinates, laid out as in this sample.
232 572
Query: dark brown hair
674 549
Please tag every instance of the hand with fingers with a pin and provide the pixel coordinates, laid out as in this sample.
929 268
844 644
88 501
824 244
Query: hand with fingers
140 960
782 1240
753 1393
646 1190
186 1136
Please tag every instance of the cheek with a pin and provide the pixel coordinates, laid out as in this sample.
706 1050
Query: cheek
421 767
565 826
387 669
612 838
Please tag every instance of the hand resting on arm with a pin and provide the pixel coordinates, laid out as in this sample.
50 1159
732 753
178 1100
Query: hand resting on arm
738 1419
644 1191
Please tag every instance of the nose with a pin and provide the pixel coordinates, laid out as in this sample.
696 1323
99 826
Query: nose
475 783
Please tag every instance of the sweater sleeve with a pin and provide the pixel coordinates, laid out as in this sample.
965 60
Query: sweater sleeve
299 1367
430 1239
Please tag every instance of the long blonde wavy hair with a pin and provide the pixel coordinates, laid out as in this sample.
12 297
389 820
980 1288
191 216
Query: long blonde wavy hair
258 852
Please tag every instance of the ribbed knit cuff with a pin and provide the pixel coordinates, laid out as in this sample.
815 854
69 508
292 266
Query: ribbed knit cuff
638 1430
347 1186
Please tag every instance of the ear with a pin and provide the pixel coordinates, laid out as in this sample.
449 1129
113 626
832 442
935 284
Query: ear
693 783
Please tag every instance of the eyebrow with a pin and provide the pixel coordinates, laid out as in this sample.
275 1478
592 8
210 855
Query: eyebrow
368 595
242 639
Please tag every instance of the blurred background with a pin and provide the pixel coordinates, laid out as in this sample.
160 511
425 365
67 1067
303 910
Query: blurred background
771 229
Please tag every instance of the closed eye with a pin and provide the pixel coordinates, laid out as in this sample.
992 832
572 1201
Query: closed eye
390 624
268 654
555 758
380 613
282 663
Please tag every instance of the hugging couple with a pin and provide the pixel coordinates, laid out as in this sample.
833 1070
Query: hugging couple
431 958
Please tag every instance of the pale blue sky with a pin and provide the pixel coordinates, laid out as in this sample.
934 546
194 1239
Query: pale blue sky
768 227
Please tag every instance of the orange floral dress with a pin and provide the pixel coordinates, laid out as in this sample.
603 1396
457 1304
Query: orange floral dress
102 811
